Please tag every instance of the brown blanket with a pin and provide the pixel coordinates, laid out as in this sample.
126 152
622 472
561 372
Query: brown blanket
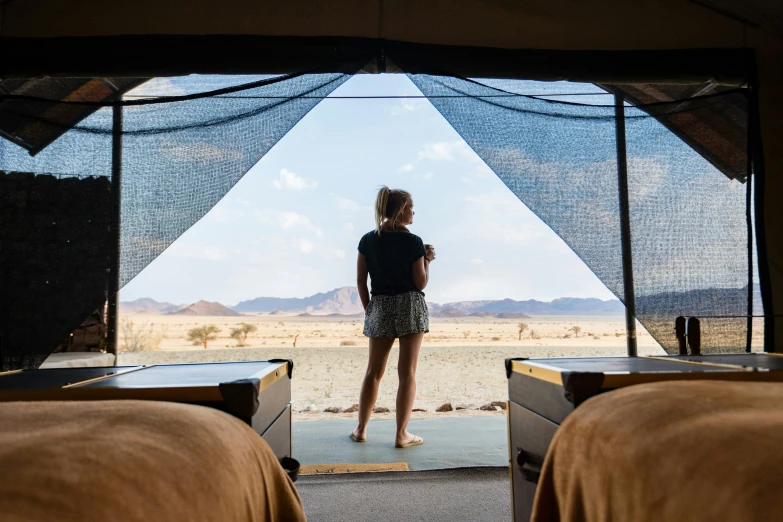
695 451
130 461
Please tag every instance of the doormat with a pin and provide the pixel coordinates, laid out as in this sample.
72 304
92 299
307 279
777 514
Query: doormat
325 469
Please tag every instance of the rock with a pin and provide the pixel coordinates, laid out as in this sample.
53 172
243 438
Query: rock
333 409
499 404
488 407
444 407
464 406
311 407
351 409
419 409
380 409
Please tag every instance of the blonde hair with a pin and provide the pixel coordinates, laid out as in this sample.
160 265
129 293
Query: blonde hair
389 205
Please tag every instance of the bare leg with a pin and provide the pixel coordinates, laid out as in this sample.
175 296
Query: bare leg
376 366
406 393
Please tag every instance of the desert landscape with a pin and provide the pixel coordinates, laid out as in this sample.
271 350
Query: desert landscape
461 361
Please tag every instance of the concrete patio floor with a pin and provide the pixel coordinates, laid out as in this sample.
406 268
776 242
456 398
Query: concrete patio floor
448 443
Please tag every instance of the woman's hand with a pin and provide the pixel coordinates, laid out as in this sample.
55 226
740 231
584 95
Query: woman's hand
430 255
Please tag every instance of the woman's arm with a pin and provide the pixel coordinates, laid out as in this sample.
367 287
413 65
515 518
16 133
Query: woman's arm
421 272
361 280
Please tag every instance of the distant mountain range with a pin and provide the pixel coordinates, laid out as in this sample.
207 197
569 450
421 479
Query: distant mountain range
345 301
206 308
145 305
562 306
342 302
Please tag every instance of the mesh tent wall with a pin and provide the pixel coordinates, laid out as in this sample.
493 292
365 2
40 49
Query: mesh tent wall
178 159
688 220
181 153
497 39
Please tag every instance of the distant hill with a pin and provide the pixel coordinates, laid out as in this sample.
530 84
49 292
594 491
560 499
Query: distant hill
344 303
521 309
145 305
206 308
343 300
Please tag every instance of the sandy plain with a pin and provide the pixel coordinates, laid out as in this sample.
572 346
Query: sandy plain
461 360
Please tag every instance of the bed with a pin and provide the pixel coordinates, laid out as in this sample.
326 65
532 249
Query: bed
690 450
130 461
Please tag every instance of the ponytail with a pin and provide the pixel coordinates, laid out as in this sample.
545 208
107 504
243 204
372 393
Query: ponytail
389 205
380 207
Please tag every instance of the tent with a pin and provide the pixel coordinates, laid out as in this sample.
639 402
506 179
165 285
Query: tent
648 51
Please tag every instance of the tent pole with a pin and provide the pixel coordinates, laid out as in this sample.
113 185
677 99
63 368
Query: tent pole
114 247
625 226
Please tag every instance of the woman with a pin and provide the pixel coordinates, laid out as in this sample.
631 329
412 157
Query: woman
398 264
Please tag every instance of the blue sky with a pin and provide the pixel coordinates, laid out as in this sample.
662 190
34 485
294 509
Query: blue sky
290 227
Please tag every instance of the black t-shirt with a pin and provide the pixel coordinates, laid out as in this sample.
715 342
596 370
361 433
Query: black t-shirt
390 259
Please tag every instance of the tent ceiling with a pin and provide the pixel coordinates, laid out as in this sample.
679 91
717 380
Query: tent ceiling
767 14
20 119
719 137
167 55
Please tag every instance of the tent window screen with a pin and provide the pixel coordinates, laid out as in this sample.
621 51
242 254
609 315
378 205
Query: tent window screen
689 232
186 141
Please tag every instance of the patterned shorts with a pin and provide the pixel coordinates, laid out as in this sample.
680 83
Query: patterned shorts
393 316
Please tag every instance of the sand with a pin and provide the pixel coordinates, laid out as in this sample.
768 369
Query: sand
454 366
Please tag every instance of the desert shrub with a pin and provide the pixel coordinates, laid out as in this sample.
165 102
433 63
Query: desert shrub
347 343
203 334
576 330
618 334
567 336
465 334
596 338
522 327
605 334
496 338
534 335
142 337
241 332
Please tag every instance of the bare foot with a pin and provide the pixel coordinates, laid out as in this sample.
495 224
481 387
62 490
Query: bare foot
359 435
407 440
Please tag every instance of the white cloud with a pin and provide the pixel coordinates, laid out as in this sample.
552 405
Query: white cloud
655 176
287 220
347 204
193 251
348 227
305 246
467 181
406 106
321 250
330 252
424 175
223 213
448 151
405 168
476 261
198 152
291 181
